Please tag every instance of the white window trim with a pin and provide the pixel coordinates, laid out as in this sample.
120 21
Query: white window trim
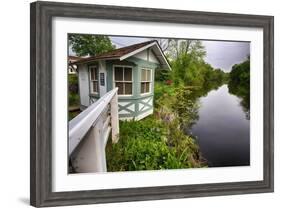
114 81
150 82
91 81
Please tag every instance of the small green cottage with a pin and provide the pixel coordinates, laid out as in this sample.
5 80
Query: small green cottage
131 69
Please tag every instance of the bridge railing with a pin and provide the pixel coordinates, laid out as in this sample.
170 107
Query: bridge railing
89 132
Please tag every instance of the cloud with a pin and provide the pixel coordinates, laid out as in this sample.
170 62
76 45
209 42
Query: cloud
224 54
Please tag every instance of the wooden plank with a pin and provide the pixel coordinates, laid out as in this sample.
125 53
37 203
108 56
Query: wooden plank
114 118
106 123
106 113
106 135
73 108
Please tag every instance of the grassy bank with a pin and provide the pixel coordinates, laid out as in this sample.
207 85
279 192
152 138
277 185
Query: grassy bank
158 141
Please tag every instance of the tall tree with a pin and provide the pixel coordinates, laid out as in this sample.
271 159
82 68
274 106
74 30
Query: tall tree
90 45
178 48
187 59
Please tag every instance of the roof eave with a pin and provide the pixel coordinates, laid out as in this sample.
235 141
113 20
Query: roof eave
125 56
146 47
94 60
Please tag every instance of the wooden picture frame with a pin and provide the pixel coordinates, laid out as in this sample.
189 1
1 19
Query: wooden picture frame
41 15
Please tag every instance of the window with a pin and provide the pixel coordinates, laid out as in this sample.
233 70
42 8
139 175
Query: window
94 79
102 82
145 81
123 79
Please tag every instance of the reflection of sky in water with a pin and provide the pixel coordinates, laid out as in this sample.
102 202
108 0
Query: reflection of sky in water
222 129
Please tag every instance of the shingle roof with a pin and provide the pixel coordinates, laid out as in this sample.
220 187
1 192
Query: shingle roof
115 54
72 59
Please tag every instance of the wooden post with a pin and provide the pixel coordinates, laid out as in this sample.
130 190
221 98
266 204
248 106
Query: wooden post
114 118
90 155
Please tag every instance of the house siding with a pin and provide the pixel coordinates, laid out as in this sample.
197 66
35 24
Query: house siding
109 68
143 103
147 55
92 97
83 82
136 106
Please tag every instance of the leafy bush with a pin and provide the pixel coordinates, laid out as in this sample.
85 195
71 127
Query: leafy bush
73 83
162 90
73 99
162 74
185 147
73 96
185 107
150 144
144 154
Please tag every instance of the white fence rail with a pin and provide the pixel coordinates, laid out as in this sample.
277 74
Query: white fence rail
89 131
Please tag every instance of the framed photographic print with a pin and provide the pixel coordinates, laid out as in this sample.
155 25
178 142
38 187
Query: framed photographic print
132 104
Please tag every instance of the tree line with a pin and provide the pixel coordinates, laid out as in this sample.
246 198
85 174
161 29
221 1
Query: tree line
189 67
239 82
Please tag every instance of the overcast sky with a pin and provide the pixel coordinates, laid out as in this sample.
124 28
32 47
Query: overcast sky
220 54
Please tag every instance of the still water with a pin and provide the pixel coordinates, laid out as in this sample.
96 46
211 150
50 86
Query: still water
222 130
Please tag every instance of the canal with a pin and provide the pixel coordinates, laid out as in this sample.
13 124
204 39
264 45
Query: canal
222 129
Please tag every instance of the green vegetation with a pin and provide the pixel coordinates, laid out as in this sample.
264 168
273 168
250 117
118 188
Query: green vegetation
92 45
189 67
152 144
176 101
239 83
73 96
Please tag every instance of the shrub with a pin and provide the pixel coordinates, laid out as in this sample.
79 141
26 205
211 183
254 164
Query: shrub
162 91
73 97
185 107
73 83
144 154
150 144
162 74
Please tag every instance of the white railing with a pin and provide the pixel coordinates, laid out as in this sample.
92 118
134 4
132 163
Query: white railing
89 132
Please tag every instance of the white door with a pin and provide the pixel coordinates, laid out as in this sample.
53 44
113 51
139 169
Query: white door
102 78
